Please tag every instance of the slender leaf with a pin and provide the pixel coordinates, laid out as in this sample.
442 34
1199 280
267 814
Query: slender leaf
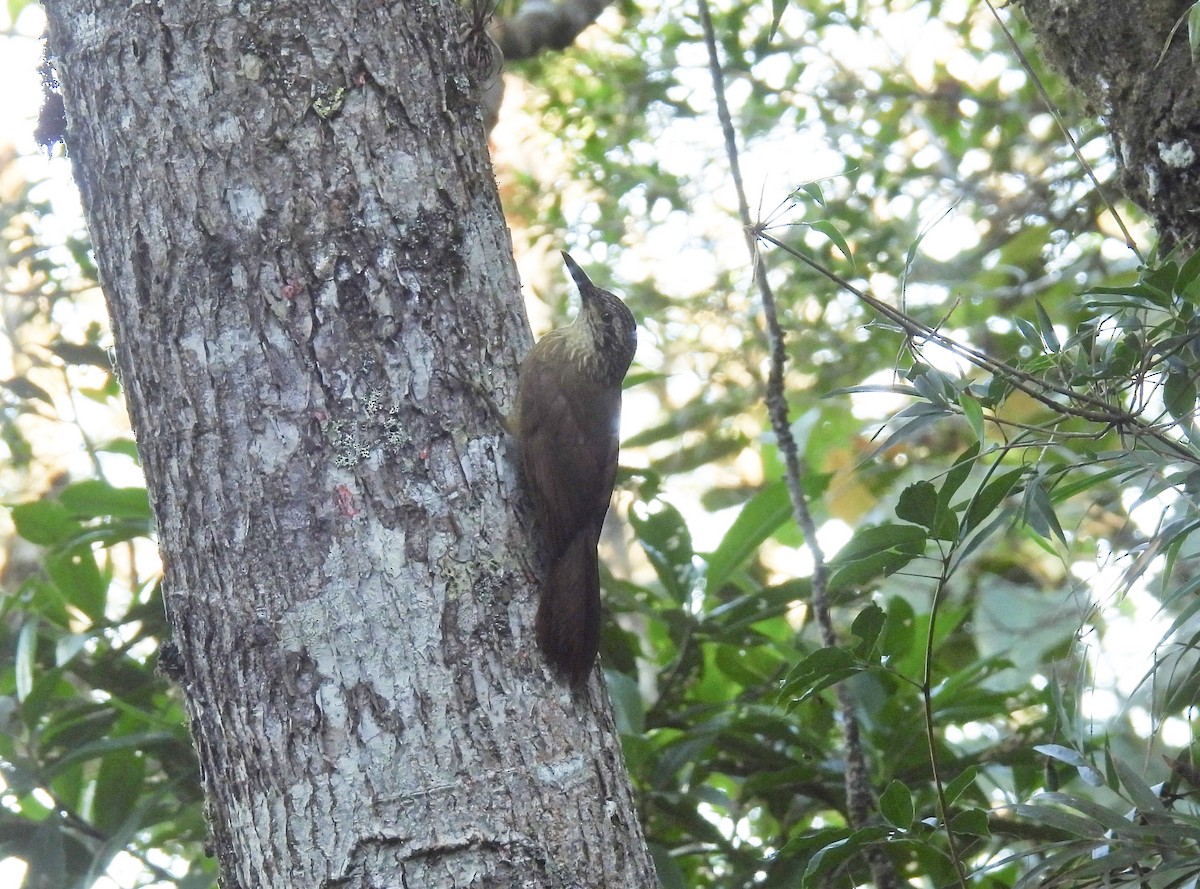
762 515
973 412
1086 770
989 497
1046 329
26 653
1038 512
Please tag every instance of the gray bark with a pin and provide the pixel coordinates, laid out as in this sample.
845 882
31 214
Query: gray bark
309 274
1113 52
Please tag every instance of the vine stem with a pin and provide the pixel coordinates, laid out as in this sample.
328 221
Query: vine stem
930 729
859 796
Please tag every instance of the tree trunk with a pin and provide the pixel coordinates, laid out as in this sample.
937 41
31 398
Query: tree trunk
310 277
1124 58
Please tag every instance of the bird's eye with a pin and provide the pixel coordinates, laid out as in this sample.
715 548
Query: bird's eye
606 317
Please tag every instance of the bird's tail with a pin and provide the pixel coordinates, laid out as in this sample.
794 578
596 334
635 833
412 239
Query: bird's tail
568 616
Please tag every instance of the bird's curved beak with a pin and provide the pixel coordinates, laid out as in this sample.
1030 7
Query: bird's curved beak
582 281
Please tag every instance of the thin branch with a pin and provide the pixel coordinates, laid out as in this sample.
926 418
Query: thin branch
1062 126
88 444
1079 404
859 797
930 732
74 821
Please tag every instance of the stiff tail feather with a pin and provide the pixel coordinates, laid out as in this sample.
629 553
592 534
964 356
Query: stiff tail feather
568 615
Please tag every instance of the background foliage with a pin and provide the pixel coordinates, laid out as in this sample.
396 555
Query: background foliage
1013 558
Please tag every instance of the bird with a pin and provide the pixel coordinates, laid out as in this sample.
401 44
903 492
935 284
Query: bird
565 420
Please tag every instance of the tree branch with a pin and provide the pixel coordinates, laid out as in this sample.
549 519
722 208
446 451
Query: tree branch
859 796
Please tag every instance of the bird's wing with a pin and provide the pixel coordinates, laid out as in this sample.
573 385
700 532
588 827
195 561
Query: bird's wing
569 453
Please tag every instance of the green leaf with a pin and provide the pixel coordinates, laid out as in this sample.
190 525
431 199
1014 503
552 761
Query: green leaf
95 498
1030 333
861 572
1104 816
118 788
973 413
818 671
85 354
946 527
829 230
1193 18
961 783
758 604
1068 822
27 390
76 573
989 497
144 741
1038 512
935 386
896 806
1046 329
874 552
839 852
48 856
762 515
670 875
1069 488
126 446
806 845
918 504
867 626
1136 787
628 711
1179 396
778 7
972 822
1161 278
897 637
878 538
748 666
1191 268
1073 758
916 418
813 190
15 8
665 539
66 647
45 522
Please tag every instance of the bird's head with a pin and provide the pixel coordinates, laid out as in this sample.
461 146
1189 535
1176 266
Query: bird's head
609 324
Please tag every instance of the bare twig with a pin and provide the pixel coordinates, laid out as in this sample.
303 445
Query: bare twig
1063 400
1062 126
930 730
859 796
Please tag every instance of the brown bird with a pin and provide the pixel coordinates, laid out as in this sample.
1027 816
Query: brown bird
568 408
